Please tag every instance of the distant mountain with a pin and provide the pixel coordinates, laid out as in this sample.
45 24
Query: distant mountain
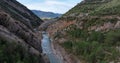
43 14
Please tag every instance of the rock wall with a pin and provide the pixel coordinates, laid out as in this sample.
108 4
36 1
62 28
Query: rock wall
17 25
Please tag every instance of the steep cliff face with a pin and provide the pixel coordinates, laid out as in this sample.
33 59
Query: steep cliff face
19 43
20 12
90 31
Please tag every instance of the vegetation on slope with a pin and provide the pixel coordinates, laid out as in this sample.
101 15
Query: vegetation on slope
90 45
96 47
85 7
15 53
107 7
20 44
111 8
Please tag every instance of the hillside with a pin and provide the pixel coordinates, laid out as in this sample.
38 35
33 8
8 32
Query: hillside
19 43
89 32
43 14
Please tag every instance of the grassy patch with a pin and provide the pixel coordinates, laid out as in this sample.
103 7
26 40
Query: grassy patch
111 8
97 21
84 8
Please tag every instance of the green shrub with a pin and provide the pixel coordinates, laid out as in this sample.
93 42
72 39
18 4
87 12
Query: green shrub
97 21
68 45
112 38
96 36
92 52
89 51
13 53
76 33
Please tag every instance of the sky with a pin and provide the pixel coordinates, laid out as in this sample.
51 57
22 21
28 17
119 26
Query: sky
56 6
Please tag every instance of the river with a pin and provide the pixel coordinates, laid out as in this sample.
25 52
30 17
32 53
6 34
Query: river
47 49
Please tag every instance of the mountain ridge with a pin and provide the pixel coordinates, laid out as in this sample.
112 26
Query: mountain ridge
45 14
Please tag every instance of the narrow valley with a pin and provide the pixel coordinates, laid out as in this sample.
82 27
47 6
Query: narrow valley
87 33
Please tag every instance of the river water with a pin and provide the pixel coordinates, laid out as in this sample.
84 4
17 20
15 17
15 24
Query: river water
47 49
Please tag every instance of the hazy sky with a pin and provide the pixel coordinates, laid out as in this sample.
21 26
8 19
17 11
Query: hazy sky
57 6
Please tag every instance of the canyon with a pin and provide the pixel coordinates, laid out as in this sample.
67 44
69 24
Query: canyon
87 33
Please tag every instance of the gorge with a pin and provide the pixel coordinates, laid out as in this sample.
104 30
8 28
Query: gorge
87 33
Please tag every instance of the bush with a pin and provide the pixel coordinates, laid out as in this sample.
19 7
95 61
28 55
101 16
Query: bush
89 51
112 38
13 53
94 47
92 52
68 45
96 36
76 33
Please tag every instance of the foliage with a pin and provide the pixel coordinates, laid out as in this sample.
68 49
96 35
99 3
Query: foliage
68 45
113 38
97 48
92 52
84 8
96 36
76 33
108 11
111 8
97 21
13 53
